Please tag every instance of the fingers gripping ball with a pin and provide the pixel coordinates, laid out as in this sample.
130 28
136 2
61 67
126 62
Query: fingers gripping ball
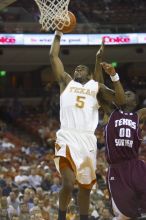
69 27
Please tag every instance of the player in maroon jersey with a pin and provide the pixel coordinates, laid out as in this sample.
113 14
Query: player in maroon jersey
126 173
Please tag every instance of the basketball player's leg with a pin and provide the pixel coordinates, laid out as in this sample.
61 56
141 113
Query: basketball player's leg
83 202
68 180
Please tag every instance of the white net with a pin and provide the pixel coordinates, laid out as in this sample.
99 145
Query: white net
53 14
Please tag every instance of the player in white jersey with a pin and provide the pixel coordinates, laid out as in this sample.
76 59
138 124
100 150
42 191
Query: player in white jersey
76 144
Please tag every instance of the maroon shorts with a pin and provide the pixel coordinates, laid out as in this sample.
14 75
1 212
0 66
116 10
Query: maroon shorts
127 186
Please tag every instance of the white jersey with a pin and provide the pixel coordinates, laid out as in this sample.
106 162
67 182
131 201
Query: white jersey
76 140
79 106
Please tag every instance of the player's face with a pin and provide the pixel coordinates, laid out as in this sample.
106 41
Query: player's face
130 99
81 73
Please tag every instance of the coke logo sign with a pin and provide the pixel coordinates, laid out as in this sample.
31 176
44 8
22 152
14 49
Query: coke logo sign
117 39
7 40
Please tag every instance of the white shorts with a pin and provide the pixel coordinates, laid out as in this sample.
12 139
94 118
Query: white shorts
80 148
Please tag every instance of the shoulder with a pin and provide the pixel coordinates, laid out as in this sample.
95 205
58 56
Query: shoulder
93 83
114 113
141 113
110 116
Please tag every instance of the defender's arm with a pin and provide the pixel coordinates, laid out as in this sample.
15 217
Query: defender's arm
98 75
117 95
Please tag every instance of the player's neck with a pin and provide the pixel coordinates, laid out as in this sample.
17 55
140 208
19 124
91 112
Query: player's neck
127 109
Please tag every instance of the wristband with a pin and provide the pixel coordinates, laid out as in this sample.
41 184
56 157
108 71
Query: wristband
115 78
58 33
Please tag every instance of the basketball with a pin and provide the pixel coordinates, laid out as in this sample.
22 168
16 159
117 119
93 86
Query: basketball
69 28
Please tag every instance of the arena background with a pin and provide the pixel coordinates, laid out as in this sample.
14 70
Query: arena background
29 98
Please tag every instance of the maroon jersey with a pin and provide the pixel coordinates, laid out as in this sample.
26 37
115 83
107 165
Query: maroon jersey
122 136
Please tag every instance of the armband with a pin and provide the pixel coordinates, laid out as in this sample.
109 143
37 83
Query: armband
115 78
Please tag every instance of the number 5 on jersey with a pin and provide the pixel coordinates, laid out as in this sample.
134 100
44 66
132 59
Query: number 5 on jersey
80 101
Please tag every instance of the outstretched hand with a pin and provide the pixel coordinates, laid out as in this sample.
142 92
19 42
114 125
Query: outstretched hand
99 53
108 68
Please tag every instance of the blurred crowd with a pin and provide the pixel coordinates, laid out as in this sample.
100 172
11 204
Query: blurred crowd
93 16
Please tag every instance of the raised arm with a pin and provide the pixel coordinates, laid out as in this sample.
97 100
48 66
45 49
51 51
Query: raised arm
57 66
117 95
98 75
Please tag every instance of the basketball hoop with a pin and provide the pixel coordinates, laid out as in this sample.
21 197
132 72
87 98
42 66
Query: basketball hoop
53 14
